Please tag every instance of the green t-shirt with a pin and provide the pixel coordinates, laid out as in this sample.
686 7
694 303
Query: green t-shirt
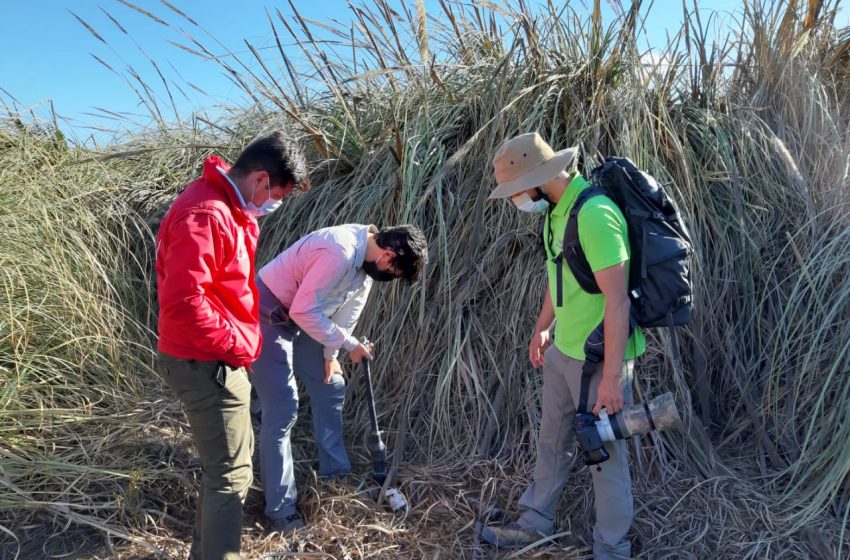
605 241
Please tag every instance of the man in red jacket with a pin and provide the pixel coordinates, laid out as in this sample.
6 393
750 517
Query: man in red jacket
209 327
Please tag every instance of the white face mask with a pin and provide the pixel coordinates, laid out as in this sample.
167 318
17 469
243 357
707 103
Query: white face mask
523 202
267 207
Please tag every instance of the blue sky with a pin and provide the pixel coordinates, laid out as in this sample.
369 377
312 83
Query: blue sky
47 52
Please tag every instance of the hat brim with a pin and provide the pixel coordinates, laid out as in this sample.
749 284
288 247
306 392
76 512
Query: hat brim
536 176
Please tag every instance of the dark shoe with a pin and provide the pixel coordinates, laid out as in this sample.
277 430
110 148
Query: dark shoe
286 525
341 476
513 535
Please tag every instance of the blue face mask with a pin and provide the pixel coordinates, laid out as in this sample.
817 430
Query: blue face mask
527 204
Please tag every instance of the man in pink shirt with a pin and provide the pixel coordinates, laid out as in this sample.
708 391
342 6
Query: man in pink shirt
311 296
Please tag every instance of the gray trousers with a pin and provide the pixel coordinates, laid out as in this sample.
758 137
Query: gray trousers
612 485
286 354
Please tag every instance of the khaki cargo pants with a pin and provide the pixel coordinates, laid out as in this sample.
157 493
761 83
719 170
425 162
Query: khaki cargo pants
612 483
219 416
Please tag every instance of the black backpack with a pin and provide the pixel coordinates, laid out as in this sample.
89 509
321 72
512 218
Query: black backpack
660 269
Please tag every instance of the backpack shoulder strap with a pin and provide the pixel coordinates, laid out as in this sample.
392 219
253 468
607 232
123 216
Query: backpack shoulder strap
583 197
572 248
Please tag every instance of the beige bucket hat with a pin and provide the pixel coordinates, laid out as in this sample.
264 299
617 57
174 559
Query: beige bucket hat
527 161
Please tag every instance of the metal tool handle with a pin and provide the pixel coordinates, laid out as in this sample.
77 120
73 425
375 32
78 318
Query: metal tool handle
370 396
376 444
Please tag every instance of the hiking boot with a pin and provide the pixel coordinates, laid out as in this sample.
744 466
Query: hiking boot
513 535
286 525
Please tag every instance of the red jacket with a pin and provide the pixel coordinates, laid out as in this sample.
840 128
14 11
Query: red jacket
208 300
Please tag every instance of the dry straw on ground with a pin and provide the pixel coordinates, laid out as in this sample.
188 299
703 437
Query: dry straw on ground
401 116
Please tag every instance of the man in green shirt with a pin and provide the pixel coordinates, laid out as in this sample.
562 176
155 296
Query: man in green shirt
537 179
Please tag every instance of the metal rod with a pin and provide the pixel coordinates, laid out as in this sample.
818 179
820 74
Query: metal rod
370 396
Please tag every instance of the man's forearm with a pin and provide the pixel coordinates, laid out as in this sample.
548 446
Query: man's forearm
616 325
547 313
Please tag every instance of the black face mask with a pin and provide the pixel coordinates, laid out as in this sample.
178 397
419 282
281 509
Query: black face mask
371 268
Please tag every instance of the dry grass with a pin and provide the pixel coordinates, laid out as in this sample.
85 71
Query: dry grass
401 117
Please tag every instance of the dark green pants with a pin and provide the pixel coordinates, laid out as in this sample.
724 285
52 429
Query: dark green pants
220 420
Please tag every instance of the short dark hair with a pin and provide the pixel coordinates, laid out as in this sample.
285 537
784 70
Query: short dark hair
408 243
278 157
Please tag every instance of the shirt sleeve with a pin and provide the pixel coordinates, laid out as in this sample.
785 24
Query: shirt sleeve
193 255
348 314
603 235
324 270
